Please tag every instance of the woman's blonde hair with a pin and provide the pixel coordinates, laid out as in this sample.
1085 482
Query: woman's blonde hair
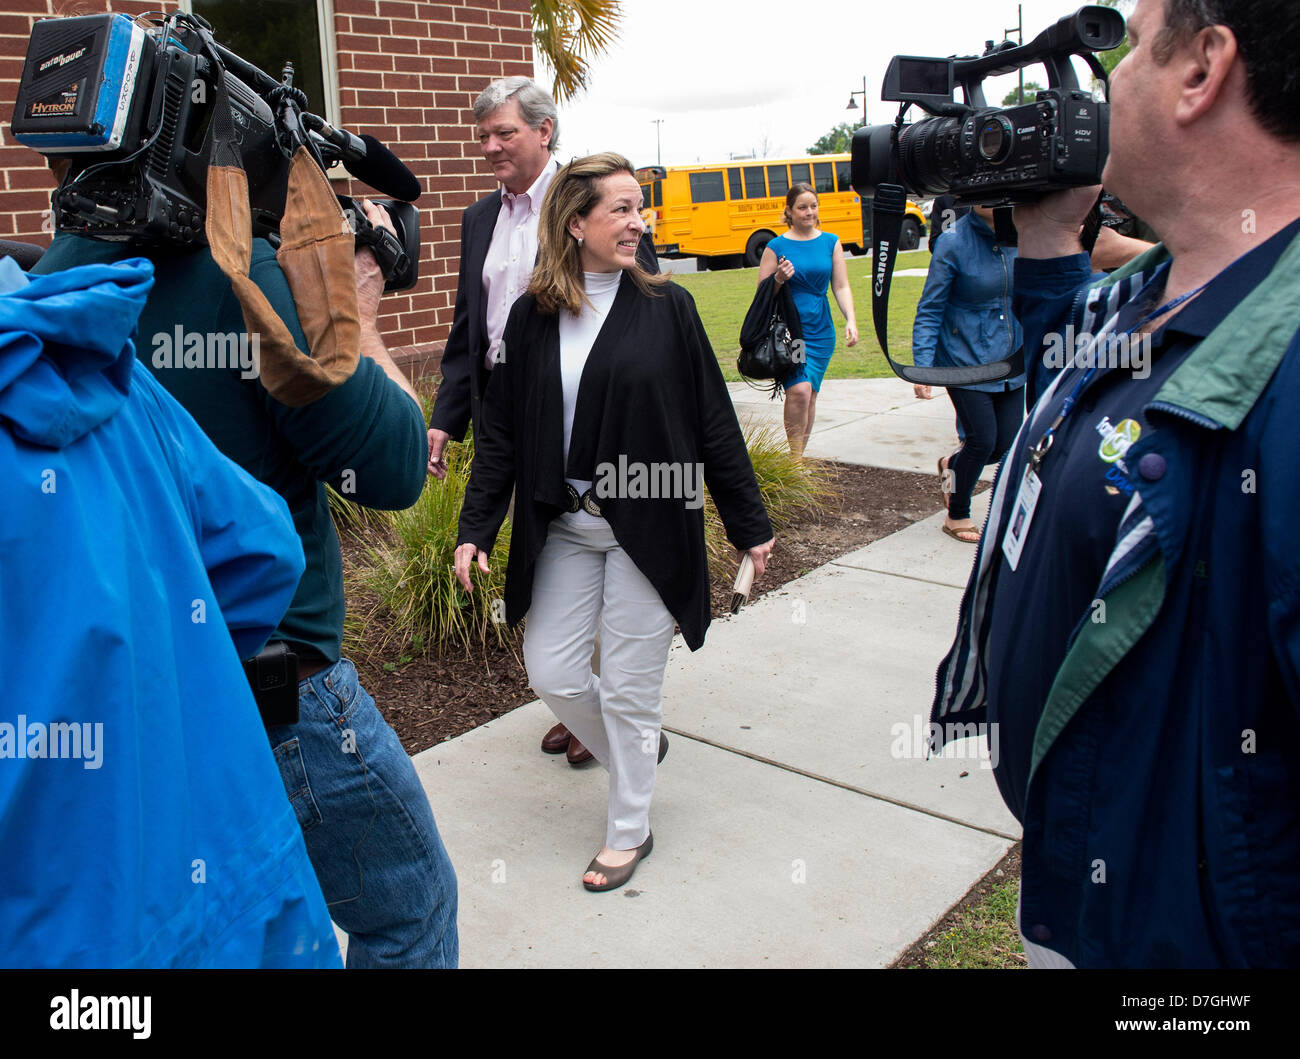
792 196
557 280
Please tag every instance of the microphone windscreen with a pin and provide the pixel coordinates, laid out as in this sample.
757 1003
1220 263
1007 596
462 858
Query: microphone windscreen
384 171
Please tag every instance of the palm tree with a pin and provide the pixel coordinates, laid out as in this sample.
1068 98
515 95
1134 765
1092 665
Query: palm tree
567 33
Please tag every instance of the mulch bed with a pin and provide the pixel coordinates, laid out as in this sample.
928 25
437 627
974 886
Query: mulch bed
429 700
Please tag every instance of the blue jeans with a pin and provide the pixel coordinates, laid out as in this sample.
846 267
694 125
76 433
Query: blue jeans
367 824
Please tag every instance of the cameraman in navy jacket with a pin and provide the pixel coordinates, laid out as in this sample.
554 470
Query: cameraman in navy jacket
1132 624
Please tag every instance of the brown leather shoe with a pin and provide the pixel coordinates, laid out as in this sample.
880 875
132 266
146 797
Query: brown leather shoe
577 753
556 741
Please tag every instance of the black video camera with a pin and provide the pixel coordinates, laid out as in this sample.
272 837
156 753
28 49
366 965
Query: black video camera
128 104
985 155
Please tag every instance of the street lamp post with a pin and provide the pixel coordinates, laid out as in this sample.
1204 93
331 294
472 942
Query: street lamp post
1019 28
659 152
853 106
866 209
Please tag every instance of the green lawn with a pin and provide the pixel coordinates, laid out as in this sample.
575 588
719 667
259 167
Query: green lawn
983 936
724 297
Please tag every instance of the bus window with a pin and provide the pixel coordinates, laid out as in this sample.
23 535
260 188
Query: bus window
707 187
733 182
659 193
778 180
755 186
823 179
645 196
801 173
843 181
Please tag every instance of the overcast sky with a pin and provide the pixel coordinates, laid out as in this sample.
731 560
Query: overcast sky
767 78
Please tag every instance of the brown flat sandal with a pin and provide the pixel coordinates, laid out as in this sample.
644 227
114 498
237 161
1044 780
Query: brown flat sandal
955 534
616 877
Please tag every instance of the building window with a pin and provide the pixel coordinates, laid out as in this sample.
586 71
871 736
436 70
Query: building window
266 33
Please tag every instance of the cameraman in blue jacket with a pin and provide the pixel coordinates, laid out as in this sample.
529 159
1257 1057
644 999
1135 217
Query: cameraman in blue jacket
142 817
1132 624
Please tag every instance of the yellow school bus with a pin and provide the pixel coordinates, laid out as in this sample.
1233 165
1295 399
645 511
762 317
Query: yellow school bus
724 214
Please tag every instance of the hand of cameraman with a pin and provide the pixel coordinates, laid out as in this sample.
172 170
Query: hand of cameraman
370 278
370 288
1050 227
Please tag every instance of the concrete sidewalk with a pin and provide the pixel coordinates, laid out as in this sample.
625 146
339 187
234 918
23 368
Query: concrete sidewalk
796 821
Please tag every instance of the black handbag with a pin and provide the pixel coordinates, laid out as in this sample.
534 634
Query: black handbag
774 356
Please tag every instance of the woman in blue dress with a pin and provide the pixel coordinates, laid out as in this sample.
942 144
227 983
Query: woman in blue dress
809 260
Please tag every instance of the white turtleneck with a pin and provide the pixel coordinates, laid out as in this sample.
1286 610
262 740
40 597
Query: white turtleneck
577 334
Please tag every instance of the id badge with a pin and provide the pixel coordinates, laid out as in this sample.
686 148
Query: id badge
1022 514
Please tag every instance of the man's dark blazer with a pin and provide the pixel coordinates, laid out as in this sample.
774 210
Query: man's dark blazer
464 377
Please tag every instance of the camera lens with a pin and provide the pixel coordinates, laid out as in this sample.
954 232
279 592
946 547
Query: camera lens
928 155
995 139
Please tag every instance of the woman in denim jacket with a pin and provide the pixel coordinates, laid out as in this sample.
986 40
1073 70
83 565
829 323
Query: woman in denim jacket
964 318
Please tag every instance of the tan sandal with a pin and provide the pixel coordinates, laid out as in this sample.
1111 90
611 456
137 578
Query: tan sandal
616 877
956 534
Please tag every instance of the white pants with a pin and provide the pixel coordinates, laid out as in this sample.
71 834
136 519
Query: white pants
584 580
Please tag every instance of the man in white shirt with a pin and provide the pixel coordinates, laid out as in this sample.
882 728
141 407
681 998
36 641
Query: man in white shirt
498 247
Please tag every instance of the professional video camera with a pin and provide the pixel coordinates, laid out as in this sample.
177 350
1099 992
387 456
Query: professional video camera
984 155
132 106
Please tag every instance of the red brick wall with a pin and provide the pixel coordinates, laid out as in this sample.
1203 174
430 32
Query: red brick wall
408 73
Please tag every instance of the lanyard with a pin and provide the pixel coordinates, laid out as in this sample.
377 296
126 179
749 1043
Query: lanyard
1037 452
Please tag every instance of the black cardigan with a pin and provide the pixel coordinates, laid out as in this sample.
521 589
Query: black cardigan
651 392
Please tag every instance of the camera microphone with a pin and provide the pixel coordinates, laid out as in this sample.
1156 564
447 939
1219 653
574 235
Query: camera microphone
384 171
369 160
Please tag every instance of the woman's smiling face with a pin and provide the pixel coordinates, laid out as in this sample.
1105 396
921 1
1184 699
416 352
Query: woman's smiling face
612 229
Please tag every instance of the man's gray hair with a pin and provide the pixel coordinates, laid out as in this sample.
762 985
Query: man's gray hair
535 103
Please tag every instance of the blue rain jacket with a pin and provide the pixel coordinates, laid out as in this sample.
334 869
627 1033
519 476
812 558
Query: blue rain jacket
143 822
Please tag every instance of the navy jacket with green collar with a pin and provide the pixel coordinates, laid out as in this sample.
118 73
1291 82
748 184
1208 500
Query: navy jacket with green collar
1162 809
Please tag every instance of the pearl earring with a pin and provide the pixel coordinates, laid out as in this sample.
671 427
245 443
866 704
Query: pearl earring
579 242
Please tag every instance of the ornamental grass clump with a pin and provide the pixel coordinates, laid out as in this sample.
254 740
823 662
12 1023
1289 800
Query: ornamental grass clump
410 597
791 489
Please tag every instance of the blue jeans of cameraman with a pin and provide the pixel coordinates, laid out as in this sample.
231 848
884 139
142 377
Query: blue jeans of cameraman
368 827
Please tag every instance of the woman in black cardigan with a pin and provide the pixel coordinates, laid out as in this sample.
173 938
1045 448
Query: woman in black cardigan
606 415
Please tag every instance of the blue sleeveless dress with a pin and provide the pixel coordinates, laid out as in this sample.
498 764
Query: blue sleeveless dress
811 259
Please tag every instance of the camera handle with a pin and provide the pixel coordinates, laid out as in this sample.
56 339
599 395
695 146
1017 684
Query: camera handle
386 247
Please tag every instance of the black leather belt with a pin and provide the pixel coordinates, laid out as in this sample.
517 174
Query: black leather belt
586 501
